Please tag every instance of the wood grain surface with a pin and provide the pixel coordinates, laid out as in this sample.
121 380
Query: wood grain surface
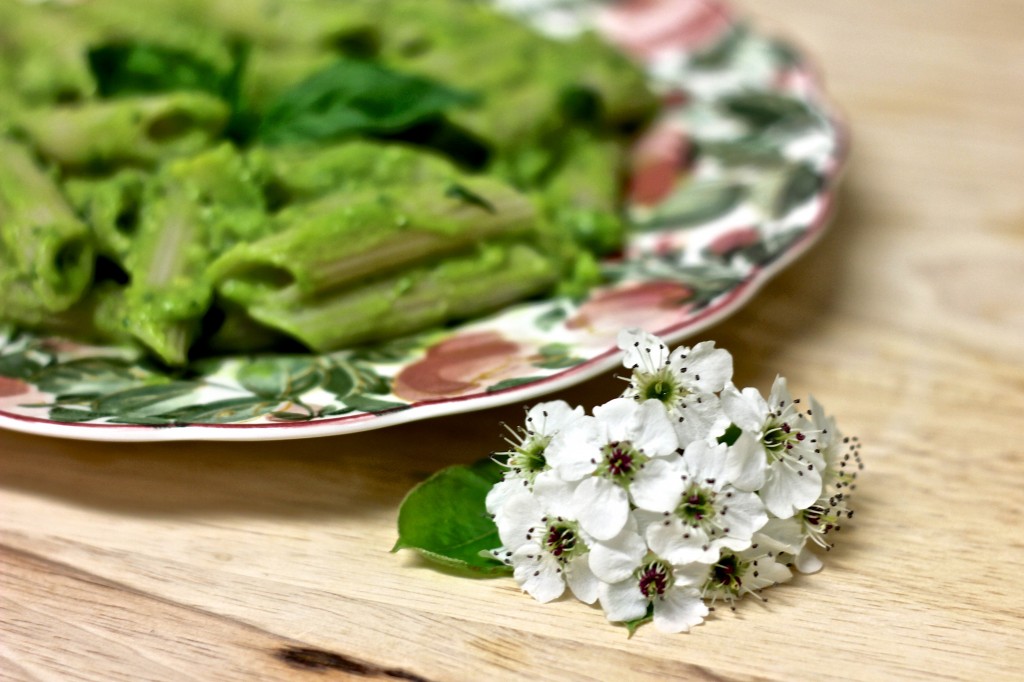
209 561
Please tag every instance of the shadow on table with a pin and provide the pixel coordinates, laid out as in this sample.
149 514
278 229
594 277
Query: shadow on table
355 474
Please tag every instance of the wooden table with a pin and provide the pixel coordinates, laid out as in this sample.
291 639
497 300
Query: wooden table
270 560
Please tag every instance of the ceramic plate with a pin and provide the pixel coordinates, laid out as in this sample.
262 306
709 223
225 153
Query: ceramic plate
733 182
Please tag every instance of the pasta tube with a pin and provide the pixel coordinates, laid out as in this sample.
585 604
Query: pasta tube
111 207
346 238
46 49
296 174
135 130
195 209
463 286
46 257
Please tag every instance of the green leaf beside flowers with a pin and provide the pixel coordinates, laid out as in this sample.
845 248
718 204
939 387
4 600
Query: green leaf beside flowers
445 520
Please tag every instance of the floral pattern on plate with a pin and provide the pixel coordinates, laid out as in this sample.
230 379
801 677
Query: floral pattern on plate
732 183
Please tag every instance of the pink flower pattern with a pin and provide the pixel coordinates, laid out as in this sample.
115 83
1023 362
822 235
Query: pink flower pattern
643 28
462 364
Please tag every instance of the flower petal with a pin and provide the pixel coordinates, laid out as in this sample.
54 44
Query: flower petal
601 507
779 396
500 493
679 610
581 579
708 368
699 420
538 573
654 433
747 410
520 513
680 543
807 561
615 560
746 463
622 601
554 494
618 419
690 575
547 419
782 535
658 486
642 350
744 514
574 452
705 462
787 490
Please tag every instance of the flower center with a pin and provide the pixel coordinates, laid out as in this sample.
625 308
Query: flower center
621 461
661 386
529 458
779 437
562 540
697 505
819 520
727 574
654 579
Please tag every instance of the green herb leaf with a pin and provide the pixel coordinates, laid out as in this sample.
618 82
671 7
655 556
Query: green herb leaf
445 519
139 68
354 97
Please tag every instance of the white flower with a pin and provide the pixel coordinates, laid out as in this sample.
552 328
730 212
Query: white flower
826 514
672 591
811 526
546 552
527 457
736 574
789 537
685 380
841 455
642 508
598 459
773 454
708 513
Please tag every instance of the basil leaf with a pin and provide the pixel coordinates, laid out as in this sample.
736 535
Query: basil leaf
445 519
140 68
355 97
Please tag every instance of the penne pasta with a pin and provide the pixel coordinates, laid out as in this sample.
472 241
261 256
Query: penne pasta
457 288
136 130
196 176
373 234
46 256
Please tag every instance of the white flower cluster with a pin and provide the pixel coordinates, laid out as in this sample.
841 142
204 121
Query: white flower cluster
683 491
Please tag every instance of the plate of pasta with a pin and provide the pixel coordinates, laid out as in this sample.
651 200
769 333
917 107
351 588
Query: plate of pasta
259 220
